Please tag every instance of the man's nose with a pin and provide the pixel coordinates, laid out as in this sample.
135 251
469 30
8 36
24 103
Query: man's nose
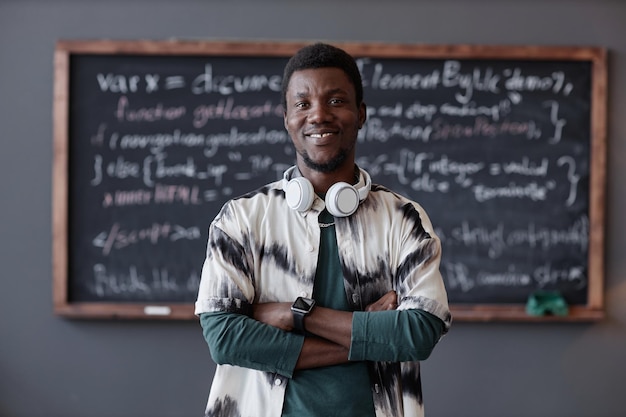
320 113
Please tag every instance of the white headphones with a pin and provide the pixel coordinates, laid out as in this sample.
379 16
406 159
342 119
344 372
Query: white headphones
342 199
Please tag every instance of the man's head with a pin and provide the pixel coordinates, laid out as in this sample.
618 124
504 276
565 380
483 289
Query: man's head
321 55
324 110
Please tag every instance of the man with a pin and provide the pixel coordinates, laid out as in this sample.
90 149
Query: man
320 293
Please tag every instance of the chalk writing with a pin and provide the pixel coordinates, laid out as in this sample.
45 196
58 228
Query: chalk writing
495 151
141 285
118 238
207 82
155 113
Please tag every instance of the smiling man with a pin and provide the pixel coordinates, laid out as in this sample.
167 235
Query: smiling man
320 293
323 118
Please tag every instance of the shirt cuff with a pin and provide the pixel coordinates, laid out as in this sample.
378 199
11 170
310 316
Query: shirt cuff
287 365
358 345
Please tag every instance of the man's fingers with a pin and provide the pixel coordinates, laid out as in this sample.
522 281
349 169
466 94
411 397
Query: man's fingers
389 301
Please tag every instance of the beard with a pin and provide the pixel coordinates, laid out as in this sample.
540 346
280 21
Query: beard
328 166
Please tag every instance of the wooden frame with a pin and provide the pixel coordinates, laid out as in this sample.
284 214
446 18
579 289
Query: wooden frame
594 310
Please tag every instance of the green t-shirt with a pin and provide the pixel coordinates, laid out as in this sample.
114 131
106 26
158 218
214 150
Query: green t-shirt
340 390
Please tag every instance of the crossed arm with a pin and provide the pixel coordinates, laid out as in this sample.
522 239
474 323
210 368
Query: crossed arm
333 329
265 341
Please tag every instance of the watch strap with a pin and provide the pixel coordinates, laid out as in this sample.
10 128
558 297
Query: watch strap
298 321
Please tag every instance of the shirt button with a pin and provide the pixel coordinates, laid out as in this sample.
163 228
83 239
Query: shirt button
278 381
311 248
303 294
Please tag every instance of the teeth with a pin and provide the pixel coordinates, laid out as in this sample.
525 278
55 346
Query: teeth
320 135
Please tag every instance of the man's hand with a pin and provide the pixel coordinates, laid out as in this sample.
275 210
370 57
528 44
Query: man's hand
388 301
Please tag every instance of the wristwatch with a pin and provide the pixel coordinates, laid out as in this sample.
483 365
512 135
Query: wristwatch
300 308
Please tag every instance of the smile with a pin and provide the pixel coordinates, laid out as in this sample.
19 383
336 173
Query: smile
320 135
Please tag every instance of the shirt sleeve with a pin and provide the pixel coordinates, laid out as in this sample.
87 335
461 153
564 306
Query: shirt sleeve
394 335
236 339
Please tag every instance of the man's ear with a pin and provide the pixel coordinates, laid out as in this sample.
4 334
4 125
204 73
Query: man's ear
362 114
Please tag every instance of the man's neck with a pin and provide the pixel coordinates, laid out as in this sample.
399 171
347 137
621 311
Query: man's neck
322 181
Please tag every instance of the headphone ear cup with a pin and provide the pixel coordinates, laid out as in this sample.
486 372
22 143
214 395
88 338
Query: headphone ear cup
342 199
299 194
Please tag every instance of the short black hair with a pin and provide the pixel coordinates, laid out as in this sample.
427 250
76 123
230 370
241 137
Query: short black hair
322 55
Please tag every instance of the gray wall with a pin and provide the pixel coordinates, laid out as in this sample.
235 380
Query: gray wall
51 366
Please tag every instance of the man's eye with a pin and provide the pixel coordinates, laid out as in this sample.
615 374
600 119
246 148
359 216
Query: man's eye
301 105
336 101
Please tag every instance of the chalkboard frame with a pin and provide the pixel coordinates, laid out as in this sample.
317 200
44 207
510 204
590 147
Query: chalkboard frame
597 56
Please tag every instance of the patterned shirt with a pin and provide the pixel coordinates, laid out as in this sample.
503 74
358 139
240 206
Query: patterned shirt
260 250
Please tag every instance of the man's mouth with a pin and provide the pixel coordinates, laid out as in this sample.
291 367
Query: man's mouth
321 135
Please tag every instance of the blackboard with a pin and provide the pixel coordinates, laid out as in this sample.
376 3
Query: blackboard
504 146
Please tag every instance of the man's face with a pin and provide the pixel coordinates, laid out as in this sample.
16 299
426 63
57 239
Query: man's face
323 118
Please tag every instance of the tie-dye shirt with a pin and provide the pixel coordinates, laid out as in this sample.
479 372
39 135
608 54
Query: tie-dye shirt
260 250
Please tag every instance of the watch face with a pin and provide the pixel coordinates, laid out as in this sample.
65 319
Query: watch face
303 304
